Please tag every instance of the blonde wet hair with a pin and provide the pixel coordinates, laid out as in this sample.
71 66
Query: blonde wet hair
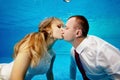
37 43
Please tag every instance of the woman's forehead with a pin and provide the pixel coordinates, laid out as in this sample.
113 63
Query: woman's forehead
57 22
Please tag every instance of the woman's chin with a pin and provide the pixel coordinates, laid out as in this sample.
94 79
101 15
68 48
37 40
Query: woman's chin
59 37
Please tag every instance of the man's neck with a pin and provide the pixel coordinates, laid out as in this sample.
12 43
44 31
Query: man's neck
77 41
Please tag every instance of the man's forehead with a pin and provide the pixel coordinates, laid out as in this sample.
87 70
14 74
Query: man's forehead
72 19
72 22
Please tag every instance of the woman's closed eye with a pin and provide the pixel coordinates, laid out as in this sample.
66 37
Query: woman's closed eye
59 26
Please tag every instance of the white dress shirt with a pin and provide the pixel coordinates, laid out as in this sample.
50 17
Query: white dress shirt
101 60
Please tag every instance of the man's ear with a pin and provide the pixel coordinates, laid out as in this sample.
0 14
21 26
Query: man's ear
78 33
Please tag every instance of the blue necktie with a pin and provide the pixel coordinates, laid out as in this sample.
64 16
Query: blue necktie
80 67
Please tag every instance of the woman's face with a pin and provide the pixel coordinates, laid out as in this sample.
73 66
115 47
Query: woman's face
57 30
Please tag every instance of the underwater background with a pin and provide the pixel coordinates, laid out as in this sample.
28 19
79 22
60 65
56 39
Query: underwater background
20 17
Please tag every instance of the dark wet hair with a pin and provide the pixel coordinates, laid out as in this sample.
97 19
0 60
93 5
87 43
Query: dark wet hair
83 23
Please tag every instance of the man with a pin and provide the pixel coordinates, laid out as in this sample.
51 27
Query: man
99 59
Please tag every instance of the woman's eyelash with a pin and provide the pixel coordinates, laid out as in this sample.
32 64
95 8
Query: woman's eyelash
59 26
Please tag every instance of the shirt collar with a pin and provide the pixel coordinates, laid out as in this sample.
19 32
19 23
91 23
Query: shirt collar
82 45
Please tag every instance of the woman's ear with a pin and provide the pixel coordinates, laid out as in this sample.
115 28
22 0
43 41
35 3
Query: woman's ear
50 33
78 33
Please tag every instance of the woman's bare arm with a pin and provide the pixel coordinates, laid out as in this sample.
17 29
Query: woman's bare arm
21 64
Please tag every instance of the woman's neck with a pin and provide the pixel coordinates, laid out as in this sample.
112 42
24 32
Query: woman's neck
51 42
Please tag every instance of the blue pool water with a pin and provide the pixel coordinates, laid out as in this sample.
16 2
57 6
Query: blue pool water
20 17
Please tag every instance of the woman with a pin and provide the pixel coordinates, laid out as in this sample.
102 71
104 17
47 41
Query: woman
33 54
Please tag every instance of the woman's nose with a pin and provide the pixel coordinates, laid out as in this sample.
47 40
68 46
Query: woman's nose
62 30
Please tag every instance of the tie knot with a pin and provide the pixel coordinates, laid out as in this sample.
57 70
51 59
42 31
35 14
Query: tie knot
75 51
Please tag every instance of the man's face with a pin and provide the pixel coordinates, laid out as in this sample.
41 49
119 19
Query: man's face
69 33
